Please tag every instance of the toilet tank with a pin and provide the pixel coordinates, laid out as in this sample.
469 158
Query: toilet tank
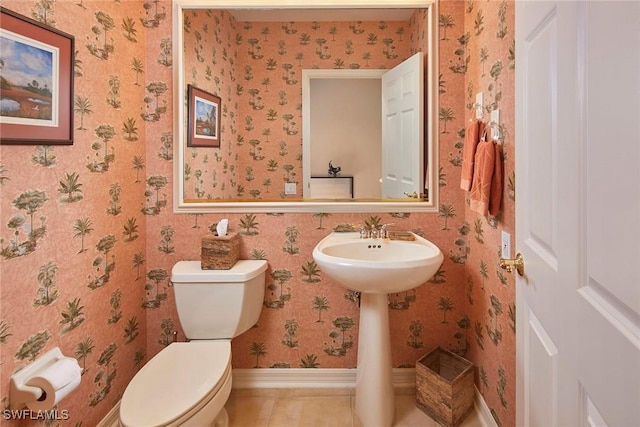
218 304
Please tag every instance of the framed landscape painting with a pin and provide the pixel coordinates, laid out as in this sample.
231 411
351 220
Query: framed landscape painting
36 82
203 126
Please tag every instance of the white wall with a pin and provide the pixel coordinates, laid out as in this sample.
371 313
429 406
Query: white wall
346 129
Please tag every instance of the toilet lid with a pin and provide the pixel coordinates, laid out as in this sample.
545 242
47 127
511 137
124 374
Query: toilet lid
174 381
242 271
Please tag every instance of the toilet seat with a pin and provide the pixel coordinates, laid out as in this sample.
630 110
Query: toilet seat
176 383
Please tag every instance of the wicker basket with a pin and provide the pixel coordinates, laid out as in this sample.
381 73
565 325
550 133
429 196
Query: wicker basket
444 386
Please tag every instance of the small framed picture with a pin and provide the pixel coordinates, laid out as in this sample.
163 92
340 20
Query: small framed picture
203 126
36 82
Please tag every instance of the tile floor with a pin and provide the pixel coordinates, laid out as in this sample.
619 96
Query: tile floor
318 408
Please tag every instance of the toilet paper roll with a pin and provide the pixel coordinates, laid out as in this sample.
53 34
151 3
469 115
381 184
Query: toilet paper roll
56 381
222 227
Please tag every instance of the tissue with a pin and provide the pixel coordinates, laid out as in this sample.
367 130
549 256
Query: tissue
56 381
222 227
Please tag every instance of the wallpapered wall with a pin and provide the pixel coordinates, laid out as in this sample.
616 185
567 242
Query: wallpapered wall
89 237
488 44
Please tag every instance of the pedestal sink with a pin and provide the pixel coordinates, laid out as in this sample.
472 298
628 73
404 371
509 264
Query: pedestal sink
376 267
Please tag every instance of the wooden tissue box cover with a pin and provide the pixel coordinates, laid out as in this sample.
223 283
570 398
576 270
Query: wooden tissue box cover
220 253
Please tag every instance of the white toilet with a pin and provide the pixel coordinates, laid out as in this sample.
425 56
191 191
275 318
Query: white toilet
188 383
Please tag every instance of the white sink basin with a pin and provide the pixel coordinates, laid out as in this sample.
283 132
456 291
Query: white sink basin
377 265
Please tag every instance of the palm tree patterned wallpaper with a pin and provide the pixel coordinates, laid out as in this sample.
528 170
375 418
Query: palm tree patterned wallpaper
88 237
484 54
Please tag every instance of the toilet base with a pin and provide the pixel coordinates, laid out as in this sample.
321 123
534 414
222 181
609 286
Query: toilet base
222 420
213 409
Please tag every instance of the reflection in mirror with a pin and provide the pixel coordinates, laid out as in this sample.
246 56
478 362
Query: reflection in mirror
341 125
373 121
256 67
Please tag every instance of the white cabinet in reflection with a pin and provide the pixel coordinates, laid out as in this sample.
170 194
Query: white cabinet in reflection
329 187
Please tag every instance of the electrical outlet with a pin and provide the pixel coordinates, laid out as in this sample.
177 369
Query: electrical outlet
290 188
505 249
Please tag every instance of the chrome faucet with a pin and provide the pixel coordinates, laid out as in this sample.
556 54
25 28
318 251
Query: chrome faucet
374 232
383 230
365 231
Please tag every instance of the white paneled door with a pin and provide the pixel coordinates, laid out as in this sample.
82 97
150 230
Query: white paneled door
578 213
402 129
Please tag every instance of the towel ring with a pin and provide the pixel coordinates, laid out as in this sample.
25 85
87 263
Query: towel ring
483 137
495 130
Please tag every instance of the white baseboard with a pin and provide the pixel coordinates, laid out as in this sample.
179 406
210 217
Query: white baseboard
311 378
484 413
112 419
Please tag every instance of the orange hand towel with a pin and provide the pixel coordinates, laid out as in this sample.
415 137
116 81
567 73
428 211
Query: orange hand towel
495 199
484 165
471 138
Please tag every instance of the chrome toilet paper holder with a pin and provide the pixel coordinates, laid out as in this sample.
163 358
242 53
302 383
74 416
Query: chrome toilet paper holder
20 393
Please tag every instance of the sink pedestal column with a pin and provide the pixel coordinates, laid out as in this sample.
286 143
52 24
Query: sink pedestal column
375 401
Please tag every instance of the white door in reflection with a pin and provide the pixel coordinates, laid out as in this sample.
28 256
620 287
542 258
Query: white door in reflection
402 129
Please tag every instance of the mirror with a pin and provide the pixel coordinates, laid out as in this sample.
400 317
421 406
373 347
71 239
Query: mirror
255 70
